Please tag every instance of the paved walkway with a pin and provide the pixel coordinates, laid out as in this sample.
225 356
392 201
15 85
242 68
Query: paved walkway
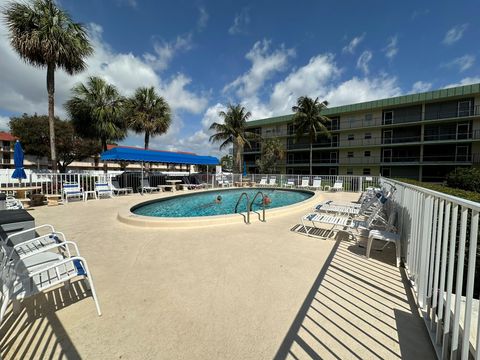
225 292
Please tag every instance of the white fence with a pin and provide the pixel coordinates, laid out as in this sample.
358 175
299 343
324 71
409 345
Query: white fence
350 182
440 237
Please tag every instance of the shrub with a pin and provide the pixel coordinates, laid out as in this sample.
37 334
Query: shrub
465 179
465 194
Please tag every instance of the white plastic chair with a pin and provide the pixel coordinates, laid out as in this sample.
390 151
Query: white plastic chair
317 184
389 238
305 182
272 181
41 271
290 183
72 190
263 181
103 189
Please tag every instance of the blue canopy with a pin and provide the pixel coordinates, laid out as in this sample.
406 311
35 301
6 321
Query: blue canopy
19 172
156 156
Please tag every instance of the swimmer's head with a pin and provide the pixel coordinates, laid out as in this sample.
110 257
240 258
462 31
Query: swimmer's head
219 198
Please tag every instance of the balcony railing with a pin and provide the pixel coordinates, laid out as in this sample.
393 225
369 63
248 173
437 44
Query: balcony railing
378 121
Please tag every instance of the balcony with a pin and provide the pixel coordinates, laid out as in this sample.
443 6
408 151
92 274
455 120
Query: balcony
472 135
380 121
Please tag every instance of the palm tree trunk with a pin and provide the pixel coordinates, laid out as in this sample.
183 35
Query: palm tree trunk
104 147
51 112
147 139
311 157
238 158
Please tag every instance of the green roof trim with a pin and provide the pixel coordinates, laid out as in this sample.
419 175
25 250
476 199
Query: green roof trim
383 103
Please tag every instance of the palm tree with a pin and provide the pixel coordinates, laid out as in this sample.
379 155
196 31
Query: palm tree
273 149
46 36
308 119
148 112
232 131
97 112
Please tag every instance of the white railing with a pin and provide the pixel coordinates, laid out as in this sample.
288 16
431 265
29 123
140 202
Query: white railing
440 237
351 183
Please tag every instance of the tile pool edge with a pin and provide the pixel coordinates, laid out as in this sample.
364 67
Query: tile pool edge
126 216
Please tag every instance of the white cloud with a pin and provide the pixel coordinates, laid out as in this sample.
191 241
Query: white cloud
363 60
350 48
130 3
4 120
463 63
265 63
464 81
202 19
362 89
454 34
392 47
310 80
165 51
240 22
179 97
419 13
420 86
211 115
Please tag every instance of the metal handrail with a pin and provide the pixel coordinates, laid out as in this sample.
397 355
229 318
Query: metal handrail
247 217
263 206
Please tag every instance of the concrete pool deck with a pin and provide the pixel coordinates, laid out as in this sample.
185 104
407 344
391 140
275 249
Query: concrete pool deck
233 291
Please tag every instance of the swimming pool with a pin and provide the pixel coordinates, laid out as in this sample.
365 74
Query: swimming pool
203 203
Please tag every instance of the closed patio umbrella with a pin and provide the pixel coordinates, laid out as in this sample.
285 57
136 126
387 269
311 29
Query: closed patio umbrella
19 172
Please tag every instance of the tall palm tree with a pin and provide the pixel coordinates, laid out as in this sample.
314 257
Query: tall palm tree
232 131
308 119
97 112
46 36
147 112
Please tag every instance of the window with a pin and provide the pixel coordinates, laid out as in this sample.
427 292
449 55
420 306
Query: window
351 137
367 153
464 108
388 117
368 136
350 154
366 171
368 117
349 171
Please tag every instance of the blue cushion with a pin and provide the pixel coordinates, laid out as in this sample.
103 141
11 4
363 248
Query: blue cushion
79 266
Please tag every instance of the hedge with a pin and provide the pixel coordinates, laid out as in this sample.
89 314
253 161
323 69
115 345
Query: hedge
469 195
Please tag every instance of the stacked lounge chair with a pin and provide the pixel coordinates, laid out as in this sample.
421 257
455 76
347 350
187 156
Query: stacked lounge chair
39 264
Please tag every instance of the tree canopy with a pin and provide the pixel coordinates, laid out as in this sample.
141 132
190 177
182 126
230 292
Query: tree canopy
44 35
33 132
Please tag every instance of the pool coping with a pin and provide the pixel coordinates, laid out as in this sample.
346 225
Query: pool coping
126 216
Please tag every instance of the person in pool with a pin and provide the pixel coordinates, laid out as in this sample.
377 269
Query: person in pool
218 200
267 200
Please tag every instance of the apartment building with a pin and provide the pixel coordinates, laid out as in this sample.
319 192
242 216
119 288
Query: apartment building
420 136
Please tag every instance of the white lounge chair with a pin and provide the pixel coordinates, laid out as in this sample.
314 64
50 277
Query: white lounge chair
338 186
72 190
41 271
263 181
117 190
37 243
272 181
103 189
145 187
317 184
305 182
290 183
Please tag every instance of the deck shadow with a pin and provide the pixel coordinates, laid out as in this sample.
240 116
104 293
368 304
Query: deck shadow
36 332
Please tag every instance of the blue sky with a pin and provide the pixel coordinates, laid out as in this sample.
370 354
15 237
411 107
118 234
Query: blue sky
201 55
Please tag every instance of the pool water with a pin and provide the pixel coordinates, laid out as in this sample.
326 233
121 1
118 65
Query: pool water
203 204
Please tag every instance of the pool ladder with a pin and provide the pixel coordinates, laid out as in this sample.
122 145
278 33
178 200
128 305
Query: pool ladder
246 218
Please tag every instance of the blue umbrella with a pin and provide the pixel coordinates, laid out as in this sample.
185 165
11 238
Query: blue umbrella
19 173
244 168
